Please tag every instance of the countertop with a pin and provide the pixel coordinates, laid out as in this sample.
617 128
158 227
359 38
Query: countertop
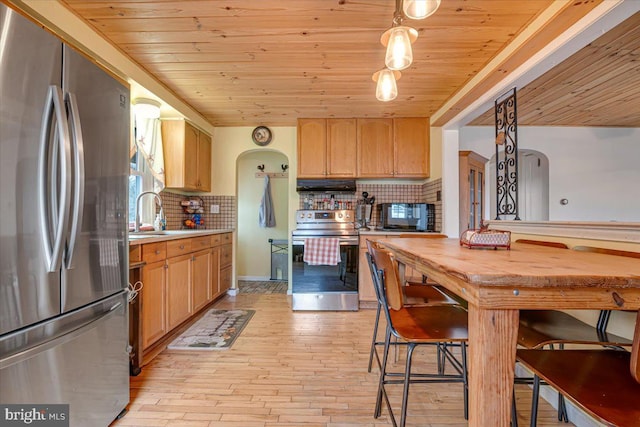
393 233
161 236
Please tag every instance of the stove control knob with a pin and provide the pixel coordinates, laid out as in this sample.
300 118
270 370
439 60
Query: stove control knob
308 215
348 216
301 215
340 215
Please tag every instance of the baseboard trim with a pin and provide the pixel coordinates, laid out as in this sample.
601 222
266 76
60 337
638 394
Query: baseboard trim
254 278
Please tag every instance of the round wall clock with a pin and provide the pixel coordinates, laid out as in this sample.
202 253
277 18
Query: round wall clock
261 135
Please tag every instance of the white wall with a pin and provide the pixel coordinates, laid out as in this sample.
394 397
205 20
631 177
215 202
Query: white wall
596 169
254 250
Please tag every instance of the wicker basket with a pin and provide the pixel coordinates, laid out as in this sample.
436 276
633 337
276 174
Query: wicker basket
483 238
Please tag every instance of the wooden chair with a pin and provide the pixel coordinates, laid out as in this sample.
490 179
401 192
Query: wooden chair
414 326
540 328
603 383
414 293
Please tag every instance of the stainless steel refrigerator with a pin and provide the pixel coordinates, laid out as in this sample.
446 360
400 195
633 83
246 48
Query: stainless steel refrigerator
64 138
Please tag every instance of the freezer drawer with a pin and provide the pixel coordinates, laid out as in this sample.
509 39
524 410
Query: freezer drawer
86 366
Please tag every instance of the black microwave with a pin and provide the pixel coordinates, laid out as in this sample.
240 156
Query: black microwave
407 216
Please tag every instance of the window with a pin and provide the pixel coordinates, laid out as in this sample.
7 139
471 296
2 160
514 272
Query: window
140 179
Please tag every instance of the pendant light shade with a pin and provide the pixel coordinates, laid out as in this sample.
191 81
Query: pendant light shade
398 42
386 89
419 9
146 108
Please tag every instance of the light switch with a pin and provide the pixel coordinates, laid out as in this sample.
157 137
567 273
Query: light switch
214 209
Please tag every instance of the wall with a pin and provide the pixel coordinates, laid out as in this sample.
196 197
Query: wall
229 143
596 169
254 250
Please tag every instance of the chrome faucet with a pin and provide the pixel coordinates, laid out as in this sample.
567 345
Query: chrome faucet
137 213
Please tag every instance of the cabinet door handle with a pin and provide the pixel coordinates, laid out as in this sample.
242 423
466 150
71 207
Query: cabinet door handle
181 246
157 252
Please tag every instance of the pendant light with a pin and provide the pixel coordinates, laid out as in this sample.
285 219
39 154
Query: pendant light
398 41
146 108
419 9
386 88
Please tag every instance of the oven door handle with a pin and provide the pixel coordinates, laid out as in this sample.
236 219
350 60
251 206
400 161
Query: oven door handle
349 242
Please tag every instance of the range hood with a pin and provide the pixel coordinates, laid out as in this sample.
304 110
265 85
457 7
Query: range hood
334 186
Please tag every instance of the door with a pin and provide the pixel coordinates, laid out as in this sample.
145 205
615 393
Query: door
312 151
375 148
83 362
154 302
201 279
97 256
341 148
30 61
179 306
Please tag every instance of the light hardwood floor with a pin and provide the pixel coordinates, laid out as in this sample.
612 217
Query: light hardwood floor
299 369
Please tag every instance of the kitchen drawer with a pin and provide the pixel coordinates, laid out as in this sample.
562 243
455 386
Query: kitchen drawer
198 243
178 247
226 238
216 240
226 255
135 254
152 252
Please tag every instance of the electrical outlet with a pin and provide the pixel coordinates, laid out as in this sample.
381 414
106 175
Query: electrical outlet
214 209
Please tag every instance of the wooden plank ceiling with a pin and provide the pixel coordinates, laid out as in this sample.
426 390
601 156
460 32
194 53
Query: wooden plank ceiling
247 62
597 86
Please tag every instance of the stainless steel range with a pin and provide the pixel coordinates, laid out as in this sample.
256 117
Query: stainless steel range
325 287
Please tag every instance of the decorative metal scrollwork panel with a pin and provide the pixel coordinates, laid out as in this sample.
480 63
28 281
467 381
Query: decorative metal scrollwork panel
507 158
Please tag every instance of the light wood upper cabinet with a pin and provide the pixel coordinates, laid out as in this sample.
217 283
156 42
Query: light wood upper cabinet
312 151
375 148
326 148
363 148
411 147
187 156
204 162
341 148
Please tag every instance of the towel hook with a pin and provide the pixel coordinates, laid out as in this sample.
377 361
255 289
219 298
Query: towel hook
261 168
284 167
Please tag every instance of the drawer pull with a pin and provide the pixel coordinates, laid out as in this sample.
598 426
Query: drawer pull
181 246
157 252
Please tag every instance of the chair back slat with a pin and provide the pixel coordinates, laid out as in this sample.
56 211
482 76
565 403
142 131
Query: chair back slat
392 287
543 243
635 351
607 251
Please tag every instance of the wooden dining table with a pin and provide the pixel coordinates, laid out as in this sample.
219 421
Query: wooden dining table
497 283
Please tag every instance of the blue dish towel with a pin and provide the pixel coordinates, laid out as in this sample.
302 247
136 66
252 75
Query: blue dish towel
267 217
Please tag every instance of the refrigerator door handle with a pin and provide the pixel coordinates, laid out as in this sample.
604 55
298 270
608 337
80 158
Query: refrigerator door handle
61 339
79 178
53 203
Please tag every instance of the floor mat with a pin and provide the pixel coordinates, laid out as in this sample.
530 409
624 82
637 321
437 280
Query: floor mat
216 330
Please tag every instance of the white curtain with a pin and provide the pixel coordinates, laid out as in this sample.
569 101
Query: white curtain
149 142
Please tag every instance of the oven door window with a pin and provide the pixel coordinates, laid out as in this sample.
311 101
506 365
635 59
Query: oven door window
325 278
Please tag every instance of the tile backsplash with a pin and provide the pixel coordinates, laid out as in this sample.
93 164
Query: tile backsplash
384 193
387 193
176 215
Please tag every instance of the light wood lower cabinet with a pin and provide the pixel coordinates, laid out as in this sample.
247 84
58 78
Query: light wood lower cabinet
201 279
366 292
180 278
153 298
179 284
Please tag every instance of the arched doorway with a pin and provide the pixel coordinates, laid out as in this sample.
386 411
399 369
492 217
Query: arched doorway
253 254
533 185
